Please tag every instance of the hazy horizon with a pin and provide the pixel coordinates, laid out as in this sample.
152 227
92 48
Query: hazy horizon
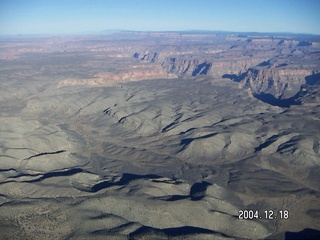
195 31
80 17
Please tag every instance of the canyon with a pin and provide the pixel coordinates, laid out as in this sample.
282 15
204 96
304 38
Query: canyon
277 66
159 135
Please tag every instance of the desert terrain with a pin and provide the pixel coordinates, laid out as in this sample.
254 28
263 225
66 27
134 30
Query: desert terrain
160 135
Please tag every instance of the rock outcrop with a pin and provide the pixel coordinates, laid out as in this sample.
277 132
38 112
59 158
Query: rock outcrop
281 83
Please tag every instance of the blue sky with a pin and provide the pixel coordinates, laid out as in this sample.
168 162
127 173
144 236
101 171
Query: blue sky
79 16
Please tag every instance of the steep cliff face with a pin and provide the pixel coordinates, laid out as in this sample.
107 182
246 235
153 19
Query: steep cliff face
190 66
146 56
186 66
236 65
283 83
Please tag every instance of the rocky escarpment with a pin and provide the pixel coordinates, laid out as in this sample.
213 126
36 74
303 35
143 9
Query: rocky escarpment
189 66
274 66
186 67
281 83
146 56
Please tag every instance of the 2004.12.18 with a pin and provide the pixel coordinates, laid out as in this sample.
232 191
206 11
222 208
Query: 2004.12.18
266 214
